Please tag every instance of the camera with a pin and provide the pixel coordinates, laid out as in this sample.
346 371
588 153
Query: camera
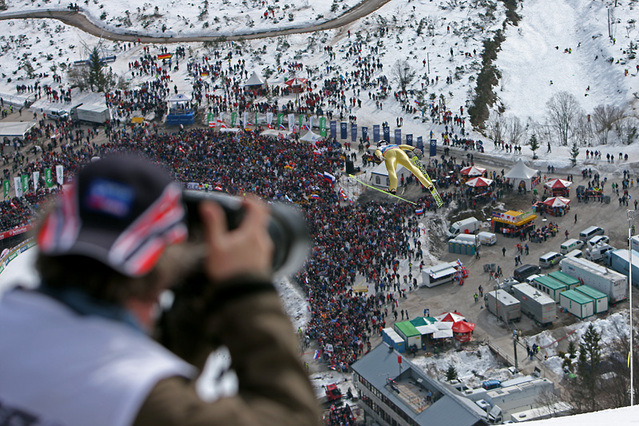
286 227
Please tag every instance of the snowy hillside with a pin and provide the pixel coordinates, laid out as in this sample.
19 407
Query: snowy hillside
559 46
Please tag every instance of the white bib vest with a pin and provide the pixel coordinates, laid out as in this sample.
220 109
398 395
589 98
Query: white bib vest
71 370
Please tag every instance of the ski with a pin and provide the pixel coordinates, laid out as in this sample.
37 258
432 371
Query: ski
433 190
381 190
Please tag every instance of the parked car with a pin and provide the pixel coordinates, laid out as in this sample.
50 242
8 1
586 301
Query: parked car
599 239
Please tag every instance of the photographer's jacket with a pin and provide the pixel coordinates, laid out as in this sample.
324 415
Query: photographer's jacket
61 368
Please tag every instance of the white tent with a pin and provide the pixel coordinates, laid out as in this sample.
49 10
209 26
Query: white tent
254 80
521 174
379 175
311 137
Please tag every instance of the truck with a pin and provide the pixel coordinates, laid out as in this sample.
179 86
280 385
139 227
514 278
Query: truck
487 238
611 283
503 305
537 305
469 225
618 261
97 114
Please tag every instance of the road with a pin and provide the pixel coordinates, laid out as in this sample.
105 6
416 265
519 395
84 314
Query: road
79 20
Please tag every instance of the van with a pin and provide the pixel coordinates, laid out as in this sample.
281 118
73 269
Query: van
570 245
487 238
550 259
575 254
524 271
590 232
465 226
57 115
598 253
599 239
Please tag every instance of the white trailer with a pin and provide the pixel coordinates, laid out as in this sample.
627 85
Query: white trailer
503 305
98 114
537 305
440 274
611 283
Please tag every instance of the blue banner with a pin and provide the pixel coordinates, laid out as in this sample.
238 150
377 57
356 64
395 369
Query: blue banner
365 134
343 130
387 134
353 132
398 136
375 133
334 129
420 143
409 140
433 147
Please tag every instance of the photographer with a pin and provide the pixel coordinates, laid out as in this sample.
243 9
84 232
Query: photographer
76 350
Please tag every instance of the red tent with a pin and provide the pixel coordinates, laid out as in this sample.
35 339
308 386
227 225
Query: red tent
463 327
472 171
557 202
558 184
450 317
463 330
296 81
479 182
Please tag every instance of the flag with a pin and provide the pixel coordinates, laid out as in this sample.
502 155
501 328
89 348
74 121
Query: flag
204 73
164 56
17 182
328 177
342 194
382 209
59 172
305 127
419 211
317 354
315 196
282 127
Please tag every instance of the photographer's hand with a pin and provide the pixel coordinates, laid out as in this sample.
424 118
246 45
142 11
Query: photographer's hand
245 251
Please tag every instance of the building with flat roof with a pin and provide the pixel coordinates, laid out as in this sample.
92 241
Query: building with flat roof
394 392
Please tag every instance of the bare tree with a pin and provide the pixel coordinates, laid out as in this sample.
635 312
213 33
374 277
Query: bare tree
516 131
404 74
496 127
627 130
563 110
603 118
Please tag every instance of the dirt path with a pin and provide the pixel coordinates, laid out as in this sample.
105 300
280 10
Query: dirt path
79 20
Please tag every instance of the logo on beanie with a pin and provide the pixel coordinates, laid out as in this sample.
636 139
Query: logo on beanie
109 198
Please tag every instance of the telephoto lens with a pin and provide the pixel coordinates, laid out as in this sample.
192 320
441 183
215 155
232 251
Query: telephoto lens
286 227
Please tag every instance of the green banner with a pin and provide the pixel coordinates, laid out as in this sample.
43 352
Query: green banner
300 119
280 119
25 184
48 178
5 188
233 118
209 117
322 126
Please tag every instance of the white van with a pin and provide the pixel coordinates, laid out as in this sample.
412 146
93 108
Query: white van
549 259
590 232
597 254
575 253
487 238
599 239
465 226
570 245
